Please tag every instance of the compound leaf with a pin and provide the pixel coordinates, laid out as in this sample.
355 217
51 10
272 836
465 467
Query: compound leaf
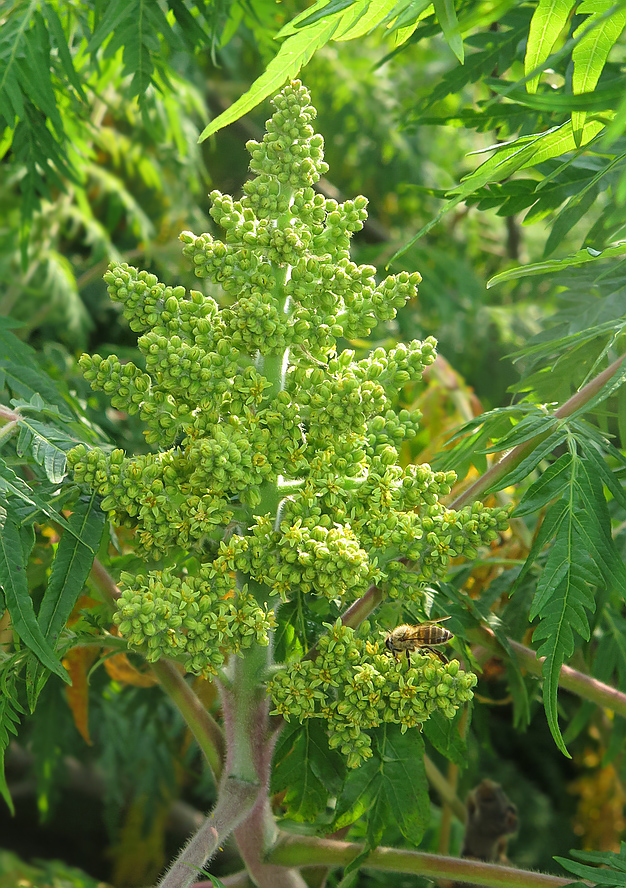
18 601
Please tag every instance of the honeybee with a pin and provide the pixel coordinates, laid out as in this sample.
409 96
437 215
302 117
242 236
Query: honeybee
423 637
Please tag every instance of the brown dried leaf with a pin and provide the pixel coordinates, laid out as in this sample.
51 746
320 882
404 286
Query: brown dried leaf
78 661
121 669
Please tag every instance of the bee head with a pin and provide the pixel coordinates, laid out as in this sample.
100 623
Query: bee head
389 643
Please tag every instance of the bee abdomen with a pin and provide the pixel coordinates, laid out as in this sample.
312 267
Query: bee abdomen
434 635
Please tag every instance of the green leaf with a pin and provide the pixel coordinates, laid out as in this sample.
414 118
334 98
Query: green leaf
548 487
10 710
575 209
493 48
548 21
293 54
19 603
48 444
604 474
12 485
115 12
444 735
322 10
582 553
370 14
593 523
612 384
447 18
306 794
60 41
72 563
598 34
359 793
581 257
593 873
519 154
603 98
531 461
404 782
549 527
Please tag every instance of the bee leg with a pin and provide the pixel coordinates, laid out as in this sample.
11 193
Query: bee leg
408 657
439 654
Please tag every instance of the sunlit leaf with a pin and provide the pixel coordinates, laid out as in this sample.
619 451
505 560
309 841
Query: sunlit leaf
547 23
598 34
447 18
581 257
293 54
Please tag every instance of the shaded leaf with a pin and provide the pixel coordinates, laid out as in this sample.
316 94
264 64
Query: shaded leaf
404 781
72 563
444 735
293 771
10 711
19 603
545 489
519 154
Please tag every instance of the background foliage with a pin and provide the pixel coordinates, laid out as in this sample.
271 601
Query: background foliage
507 169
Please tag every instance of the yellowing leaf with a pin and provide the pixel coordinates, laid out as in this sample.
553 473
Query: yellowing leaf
121 669
78 661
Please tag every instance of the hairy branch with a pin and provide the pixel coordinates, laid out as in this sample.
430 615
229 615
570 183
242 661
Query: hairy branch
293 850
514 457
578 683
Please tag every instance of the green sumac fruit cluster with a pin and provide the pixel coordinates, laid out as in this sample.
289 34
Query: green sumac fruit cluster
275 476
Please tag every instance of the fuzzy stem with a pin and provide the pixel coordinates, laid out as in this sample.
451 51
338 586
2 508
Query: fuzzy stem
578 683
8 415
204 728
513 457
234 802
250 744
294 850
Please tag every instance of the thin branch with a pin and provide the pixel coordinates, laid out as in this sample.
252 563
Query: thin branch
514 457
202 725
293 850
105 582
578 683
444 789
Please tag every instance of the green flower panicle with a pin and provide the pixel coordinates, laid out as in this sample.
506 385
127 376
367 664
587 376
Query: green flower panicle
355 686
274 473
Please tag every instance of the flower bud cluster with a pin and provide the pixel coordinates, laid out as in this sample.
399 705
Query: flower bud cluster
291 152
196 620
262 426
356 686
152 492
150 305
